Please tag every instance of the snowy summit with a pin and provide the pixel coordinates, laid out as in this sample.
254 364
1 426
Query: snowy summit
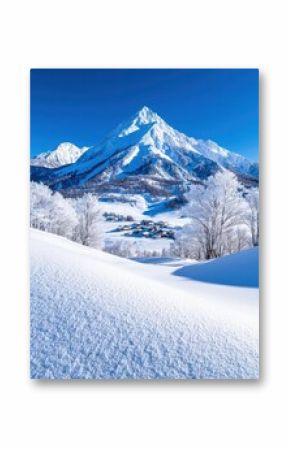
65 153
144 154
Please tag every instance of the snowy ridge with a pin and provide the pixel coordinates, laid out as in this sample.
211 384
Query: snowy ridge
142 152
228 159
65 153
94 315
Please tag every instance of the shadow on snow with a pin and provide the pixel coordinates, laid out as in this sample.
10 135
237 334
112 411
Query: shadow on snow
240 270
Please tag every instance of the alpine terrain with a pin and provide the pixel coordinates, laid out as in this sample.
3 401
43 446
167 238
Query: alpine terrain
142 155
144 258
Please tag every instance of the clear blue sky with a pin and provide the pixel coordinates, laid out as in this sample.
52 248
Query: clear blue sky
82 106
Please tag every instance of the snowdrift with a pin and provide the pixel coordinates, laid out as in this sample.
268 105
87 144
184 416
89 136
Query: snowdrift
96 316
240 269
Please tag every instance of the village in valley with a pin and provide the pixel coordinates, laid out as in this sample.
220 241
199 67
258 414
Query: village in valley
144 228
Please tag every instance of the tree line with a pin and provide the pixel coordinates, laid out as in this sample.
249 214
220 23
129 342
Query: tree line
77 219
223 219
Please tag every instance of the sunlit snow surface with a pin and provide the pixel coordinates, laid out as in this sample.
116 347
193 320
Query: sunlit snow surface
97 316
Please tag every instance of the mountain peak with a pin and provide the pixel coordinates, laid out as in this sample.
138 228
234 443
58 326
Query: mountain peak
65 153
145 110
145 115
142 146
65 146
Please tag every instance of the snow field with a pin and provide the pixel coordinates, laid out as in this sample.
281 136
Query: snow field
96 316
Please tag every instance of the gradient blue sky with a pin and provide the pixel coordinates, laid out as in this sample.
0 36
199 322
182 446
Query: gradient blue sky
82 106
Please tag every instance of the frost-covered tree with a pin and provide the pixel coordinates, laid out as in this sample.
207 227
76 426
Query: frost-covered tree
78 219
51 212
238 239
122 248
63 218
216 209
40 206
252 198
165 252
188 243
88 231
129 248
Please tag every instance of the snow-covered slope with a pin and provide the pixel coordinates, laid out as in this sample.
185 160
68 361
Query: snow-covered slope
240 269
145 154
94 315
228 159
65 153
166 136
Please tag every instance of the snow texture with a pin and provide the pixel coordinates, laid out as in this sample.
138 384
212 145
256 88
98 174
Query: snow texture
97 316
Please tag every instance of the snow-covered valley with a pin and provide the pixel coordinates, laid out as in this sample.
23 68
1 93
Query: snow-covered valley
98 316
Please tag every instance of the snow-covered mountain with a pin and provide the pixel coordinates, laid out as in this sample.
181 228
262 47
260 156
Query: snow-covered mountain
65 153
144 154
228 159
